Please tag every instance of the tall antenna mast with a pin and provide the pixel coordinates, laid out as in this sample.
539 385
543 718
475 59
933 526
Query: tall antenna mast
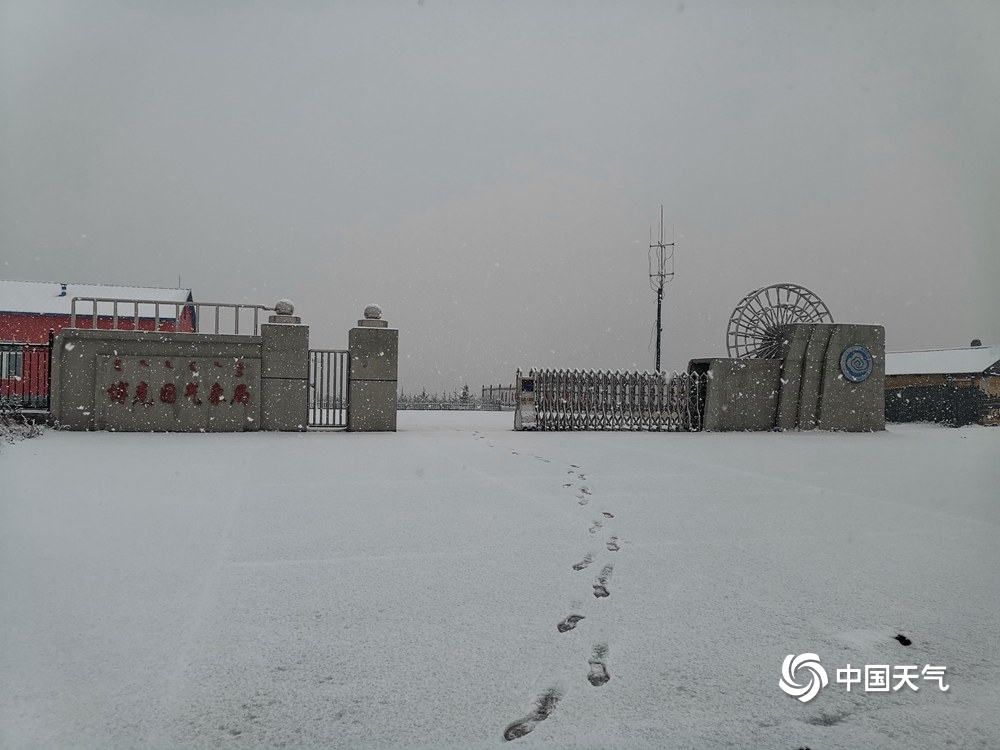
661 271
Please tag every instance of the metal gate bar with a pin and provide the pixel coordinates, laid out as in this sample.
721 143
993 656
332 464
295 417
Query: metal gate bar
328 380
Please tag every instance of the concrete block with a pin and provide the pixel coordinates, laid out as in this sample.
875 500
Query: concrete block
742 394
284 350
791 375
812 375
372 406
374 353
81 378
72 388
284 404
854 406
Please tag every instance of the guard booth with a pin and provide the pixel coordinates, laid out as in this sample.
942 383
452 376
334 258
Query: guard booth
525 414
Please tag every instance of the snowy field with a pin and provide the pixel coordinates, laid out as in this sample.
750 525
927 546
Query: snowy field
333 590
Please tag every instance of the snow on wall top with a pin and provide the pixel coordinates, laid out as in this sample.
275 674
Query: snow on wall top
943 361
50 297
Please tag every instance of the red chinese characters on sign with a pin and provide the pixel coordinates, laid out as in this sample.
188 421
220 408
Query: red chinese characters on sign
118 392
217 396
142 394
191 392
241 395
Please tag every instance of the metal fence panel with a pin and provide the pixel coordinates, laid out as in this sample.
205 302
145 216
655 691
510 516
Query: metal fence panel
329 373
25 374
615 400
500 396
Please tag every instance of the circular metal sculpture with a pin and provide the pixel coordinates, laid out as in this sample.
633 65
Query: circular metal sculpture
856 363
758 326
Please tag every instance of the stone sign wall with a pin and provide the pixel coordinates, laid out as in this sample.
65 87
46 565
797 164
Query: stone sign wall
829 376
141 381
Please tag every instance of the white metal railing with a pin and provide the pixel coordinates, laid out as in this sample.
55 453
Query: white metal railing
134 311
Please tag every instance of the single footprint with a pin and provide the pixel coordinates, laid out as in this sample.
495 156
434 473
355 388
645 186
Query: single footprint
543 709
568 484
587 560
608 515
569 623
583 500
601 587
586 490
598 666
581 476
596 526
574 466
514 453
613 544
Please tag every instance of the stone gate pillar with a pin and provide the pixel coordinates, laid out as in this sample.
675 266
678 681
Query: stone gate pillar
374 349
284 371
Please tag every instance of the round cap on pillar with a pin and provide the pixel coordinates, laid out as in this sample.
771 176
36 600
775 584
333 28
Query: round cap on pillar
284 312
373 318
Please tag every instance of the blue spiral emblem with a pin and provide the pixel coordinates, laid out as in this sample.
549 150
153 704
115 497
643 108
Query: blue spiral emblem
856 363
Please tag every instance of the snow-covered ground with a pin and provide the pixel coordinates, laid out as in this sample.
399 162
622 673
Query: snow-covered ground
332 590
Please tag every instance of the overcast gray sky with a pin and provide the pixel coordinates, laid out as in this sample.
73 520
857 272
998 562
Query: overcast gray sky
488 171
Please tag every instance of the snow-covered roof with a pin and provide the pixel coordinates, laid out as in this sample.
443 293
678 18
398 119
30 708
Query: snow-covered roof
54 298
970 359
